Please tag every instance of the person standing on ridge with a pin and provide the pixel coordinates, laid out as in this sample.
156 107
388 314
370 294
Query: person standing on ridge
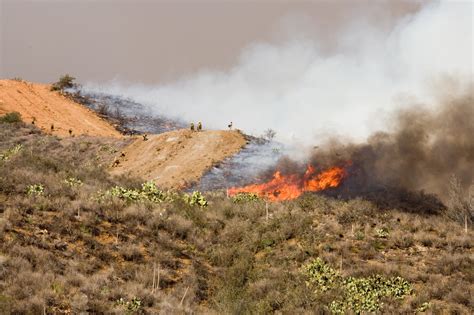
191 126
199 128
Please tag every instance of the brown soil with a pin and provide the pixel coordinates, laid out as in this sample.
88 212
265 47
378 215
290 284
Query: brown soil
37 101
177 158
173 159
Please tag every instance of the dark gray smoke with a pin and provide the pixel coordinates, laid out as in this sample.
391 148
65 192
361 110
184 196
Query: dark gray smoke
422 149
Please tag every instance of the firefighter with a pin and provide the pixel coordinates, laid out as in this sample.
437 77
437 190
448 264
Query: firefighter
191 126
52 127
230 126
199 128
145 137
70 132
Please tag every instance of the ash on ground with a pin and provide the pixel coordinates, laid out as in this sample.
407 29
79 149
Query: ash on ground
243 168
127 116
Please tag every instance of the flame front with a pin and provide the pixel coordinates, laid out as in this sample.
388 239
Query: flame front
288 187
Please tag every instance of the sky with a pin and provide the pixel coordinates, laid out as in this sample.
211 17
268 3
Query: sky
160 41
307 69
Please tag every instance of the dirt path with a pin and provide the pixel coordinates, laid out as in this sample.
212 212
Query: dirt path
34 100
178 158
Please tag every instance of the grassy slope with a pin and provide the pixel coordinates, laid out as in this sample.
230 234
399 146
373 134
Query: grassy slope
65 251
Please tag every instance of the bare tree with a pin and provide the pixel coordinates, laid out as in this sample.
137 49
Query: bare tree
269 134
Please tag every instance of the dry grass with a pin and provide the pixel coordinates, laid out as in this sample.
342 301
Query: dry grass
65 251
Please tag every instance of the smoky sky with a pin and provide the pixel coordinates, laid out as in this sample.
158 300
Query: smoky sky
307 88
155 42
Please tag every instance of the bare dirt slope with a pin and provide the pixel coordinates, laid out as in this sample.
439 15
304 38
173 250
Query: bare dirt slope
178 158
37 101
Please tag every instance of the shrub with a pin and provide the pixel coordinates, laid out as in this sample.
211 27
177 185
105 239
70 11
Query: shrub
13 117
269 134
196 198
381 233
358 294
73 182
459 208
149 192
65 82
5 156
321 275
36 189
132 306
245 197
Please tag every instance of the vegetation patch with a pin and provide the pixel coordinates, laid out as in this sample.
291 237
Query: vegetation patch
63 250
65 82
35 189
10 118
5 156
357 294
150 192
245 197
130 307
73 182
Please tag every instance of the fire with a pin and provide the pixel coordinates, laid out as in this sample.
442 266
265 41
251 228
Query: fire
288 187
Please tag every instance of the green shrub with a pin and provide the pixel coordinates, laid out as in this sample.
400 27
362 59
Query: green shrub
358 295
65 82
13 117
381 233
245 197
149 192
423 307
35 189
196 198
132 306
321 275
73 182
5 156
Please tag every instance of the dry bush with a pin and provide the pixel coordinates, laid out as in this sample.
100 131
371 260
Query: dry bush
460 205
69 251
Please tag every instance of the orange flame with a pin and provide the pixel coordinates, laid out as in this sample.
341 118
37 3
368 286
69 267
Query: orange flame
288 187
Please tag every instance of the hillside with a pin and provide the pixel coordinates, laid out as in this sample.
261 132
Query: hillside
172 159
177 158
74 239
37 101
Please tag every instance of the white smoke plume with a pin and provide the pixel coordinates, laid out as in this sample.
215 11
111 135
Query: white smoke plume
304 94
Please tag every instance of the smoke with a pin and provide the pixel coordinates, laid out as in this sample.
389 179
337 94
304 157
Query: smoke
423 147
305 94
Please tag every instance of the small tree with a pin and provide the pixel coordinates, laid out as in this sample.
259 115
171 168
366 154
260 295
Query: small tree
65 82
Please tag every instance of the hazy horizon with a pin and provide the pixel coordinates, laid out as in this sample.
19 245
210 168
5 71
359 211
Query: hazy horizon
154 42
309 70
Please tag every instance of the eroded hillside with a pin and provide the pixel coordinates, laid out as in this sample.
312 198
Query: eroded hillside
48 108
177 158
